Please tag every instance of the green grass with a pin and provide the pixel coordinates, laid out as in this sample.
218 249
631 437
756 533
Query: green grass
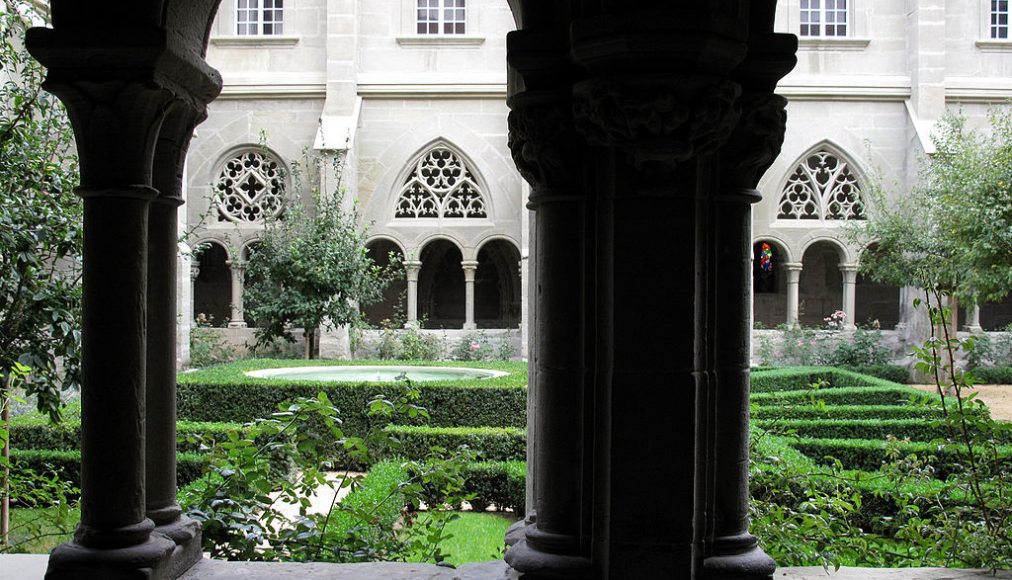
39 530
475 537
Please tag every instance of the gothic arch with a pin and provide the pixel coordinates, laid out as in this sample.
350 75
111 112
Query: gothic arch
212 287
841 249
822 185
440 182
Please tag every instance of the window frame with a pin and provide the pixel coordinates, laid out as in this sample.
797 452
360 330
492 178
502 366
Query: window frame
442 9
261 10
823 11
994 26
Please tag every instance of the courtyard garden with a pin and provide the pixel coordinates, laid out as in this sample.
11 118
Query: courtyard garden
847 469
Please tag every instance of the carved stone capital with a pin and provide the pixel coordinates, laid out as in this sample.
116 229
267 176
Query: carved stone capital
116 124
755 141
657 119
542 138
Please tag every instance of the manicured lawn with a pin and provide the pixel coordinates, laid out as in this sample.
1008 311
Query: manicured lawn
37 531
475 537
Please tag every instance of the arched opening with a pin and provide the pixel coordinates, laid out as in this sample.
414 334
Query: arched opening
441 286
876 305
390 310
497 293
769 284
996 315
212 290
820 288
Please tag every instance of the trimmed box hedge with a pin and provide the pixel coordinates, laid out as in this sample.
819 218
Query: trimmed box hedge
869 454
67 464
491 443
801 378
834 428
502 484
887 395
226 394
844 412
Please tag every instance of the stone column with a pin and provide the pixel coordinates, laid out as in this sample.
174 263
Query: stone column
553 540
793 279
162 508
194 274
730 551
849 272
973 319
469 267
237 267
116 124
411 270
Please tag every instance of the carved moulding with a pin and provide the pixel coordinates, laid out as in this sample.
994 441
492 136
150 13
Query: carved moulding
541 137
659 120
755 141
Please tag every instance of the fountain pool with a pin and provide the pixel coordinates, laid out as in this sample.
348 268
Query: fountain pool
374 374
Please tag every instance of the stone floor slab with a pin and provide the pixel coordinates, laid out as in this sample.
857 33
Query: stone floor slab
33 567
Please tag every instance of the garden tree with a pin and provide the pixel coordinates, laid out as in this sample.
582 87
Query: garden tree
953 232
310 269
40 230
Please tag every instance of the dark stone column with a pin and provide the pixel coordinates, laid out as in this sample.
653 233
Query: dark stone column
546 148
729 550
116 124
163 239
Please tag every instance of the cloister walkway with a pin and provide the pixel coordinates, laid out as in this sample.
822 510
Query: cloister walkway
33 567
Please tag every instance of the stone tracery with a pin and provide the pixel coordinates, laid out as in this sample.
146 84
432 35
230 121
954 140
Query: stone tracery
822 187
250 188
440 186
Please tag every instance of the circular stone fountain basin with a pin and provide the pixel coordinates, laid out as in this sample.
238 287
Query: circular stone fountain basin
374 374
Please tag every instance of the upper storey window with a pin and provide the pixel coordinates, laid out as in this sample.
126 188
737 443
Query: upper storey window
259 17
825 18
441 17
999 19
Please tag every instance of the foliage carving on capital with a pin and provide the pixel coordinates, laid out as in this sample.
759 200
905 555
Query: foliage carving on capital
756 141
663 120
538 137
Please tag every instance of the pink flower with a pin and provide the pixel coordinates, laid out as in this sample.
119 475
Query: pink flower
474 346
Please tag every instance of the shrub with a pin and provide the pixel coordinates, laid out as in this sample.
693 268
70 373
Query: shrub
863 348
207 347
497 483
490 443
840 396
894 373
993 375
66 464
834 428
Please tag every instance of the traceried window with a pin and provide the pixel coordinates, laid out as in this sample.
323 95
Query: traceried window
249 188
259 17
824 18
441 17
999 19
440 186
822 187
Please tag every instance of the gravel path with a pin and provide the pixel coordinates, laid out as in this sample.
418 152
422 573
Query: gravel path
997 397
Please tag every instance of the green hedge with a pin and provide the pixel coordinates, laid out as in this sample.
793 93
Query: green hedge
799 411
67 464
894 373
887 395
801 378
915 429
226 394
377 492
497 483
492 443
993 375
869 454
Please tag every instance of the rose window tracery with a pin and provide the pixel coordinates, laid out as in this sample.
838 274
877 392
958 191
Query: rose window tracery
249 188
440 186
822 187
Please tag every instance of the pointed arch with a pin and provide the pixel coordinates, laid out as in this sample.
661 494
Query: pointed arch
441 183
824 185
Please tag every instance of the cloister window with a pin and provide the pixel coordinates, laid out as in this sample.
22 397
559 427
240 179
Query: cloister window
999 19
249 188
824 18
442 17
822 187
440 186
259 17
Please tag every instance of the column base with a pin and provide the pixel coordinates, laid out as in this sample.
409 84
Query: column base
470 326
146 561
533 563
237 324
186 535
738 558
